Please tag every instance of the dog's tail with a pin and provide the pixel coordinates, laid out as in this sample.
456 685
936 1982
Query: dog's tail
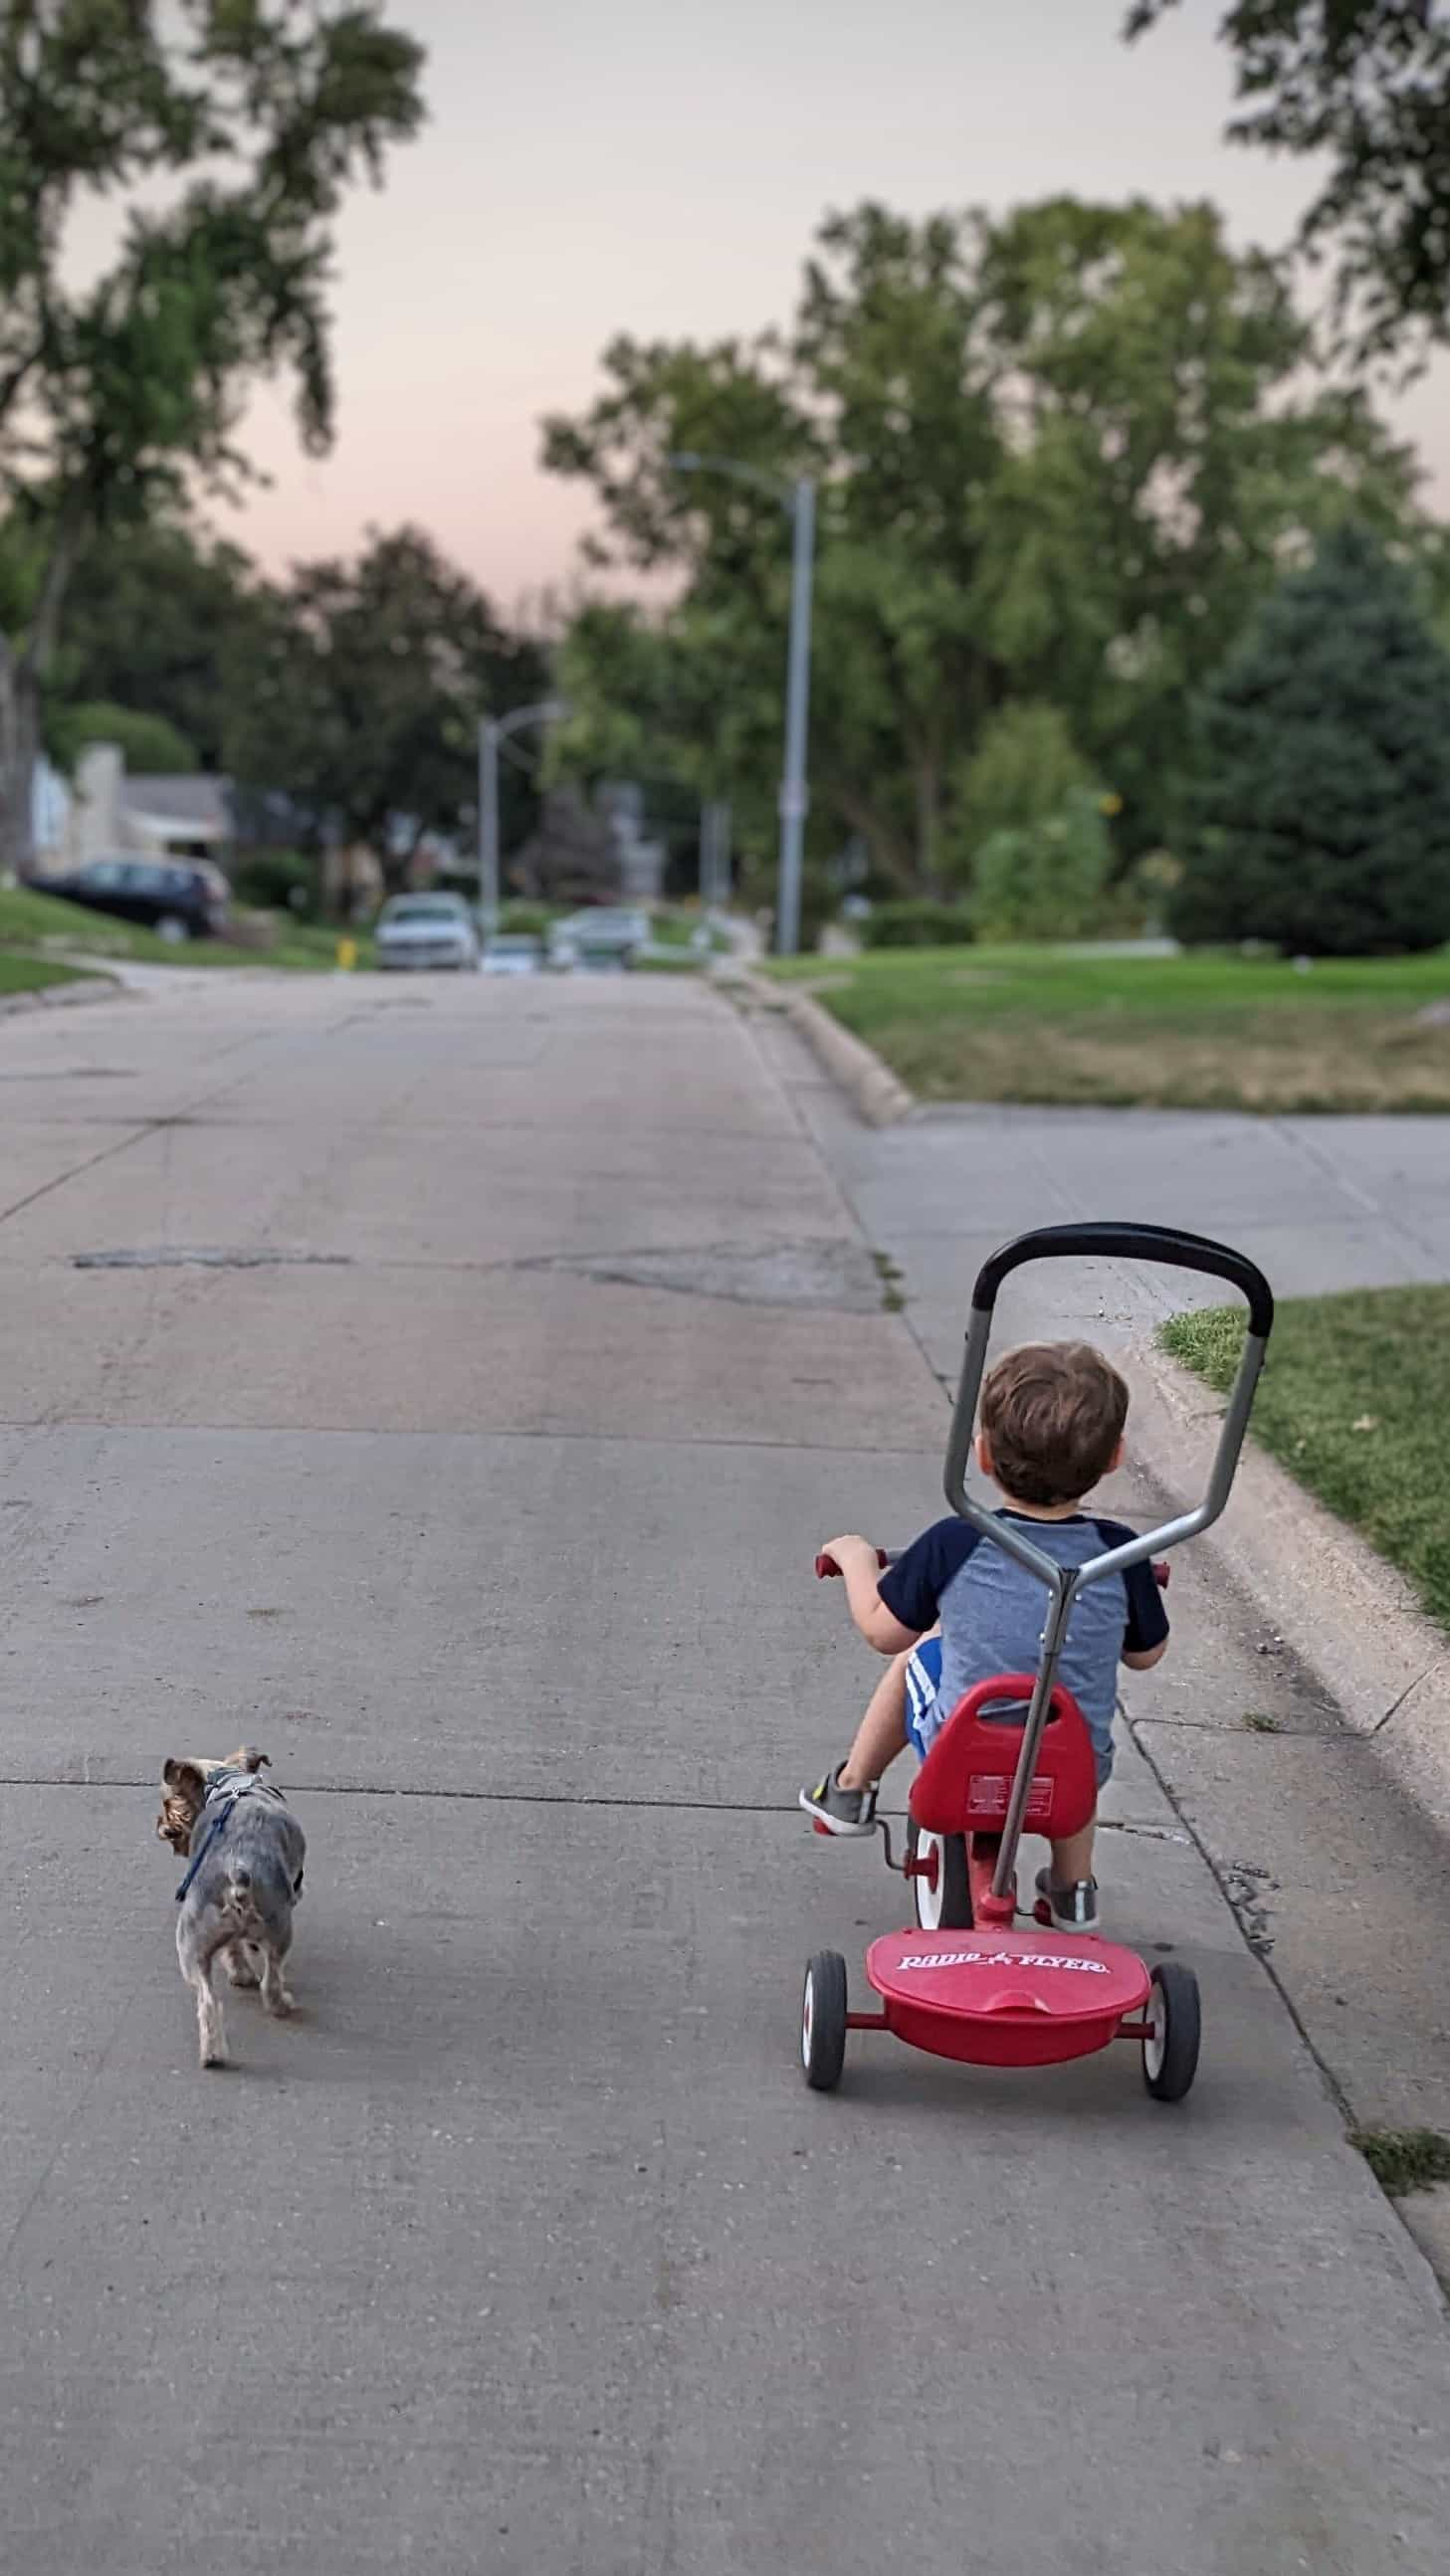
238 1899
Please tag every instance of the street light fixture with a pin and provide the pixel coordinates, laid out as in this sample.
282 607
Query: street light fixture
799 500
492 730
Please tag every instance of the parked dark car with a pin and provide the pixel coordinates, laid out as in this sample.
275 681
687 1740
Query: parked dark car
174 897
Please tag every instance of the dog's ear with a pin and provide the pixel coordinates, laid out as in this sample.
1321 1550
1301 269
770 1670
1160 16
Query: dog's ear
184 1797
247 1758
174 1825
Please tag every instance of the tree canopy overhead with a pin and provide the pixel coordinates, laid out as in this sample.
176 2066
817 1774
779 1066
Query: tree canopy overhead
1363 85
225 133
1061 458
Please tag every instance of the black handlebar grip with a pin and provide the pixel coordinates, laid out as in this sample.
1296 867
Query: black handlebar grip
1167 1244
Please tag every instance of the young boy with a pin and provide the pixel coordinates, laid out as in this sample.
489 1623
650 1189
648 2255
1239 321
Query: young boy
955 1609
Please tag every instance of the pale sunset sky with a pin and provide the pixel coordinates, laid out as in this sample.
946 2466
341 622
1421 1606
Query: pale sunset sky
658 167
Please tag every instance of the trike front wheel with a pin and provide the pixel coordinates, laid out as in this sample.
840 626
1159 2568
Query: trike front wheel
939 1881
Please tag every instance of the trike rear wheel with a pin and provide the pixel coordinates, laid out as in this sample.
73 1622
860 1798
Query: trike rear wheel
1175 2023
823 2021
939 1882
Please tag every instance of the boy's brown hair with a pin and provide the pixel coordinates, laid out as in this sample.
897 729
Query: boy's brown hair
1053 1413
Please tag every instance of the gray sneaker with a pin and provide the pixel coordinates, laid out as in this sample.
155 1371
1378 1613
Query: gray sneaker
1067 1909
834 1810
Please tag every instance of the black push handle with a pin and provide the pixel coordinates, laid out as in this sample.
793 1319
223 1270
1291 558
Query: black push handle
1162 1243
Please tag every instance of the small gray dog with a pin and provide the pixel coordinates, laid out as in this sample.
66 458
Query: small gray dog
246 1850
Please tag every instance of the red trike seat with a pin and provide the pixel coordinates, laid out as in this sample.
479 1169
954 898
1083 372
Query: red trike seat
964 1784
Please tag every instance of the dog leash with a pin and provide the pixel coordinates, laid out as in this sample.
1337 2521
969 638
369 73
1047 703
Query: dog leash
213 1834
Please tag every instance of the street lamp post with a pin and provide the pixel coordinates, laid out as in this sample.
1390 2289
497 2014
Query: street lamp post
794 794
799 499
714 854
492 730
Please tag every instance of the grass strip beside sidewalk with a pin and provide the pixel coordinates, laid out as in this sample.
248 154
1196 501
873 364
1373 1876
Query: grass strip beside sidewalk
1206 1031
1355 1403
20 974
32 924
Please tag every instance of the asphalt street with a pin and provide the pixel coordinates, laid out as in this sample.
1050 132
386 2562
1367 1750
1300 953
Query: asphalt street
445 1387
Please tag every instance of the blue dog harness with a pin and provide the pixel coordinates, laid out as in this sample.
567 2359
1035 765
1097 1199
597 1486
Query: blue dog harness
230 1789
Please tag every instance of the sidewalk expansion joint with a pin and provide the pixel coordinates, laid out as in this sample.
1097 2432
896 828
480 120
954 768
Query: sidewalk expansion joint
1410 1688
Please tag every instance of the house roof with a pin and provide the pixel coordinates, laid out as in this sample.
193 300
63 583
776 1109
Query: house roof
202 801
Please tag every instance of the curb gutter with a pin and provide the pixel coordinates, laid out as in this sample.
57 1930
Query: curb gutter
1351 1619
94 987
870 1086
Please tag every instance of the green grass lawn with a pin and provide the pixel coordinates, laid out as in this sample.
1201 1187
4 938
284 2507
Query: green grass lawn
677 929
20 974
1205 1031
31 922
1355 1402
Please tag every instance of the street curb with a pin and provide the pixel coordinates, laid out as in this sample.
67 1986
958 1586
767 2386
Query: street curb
872 1089
1350 1618
93 987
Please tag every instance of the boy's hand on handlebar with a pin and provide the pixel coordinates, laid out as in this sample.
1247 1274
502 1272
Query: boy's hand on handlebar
838 1554
860 1561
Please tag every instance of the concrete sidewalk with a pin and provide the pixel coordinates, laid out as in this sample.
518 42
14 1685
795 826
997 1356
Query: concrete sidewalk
1325 1832
480 1485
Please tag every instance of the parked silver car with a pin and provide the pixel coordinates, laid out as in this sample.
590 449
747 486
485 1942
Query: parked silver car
427 930
512 953
606 934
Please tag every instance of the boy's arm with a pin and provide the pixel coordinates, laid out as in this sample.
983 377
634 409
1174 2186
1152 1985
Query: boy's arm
1145 1637
879 1626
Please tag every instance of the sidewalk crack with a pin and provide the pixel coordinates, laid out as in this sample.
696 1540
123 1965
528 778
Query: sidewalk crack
1397 1704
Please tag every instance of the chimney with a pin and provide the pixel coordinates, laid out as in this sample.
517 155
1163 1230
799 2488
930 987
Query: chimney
96 812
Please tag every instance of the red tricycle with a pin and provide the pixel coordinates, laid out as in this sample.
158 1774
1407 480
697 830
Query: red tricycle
1015 1757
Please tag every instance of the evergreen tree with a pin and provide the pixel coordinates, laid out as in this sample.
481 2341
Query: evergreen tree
1321 820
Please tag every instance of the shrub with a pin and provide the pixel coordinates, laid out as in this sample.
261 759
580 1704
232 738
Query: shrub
757 885
146 743
917 925
1049 880
277 881
529 920
1023 772
1321 820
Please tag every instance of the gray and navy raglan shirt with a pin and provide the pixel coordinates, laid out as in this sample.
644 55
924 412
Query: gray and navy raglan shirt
992 1612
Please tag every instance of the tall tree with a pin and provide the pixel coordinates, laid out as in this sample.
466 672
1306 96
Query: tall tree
1060 458
229 130
165 620
364 706
1174 446
1322 820
1363 86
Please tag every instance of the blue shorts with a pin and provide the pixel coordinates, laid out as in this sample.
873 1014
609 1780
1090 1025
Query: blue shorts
923 1681
924 1723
